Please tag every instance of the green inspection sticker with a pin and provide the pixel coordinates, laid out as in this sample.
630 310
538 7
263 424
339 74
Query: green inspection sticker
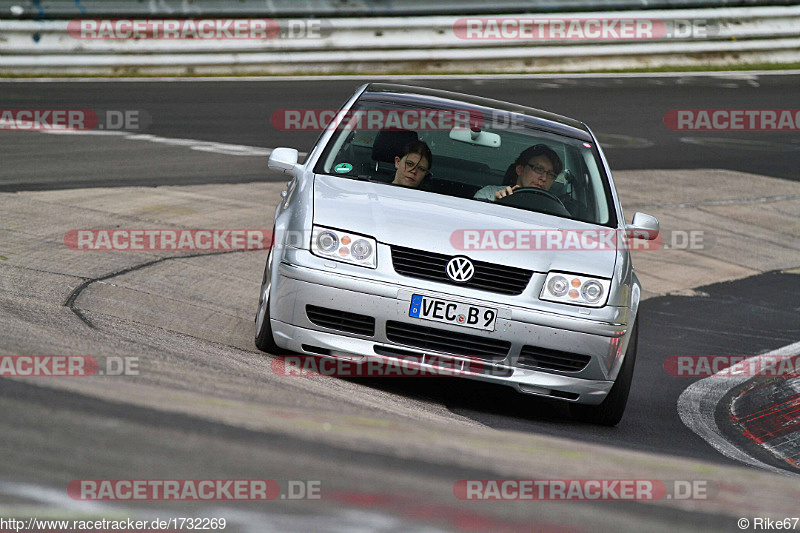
343 168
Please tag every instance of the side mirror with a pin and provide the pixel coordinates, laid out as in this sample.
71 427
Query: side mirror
644 226
284 160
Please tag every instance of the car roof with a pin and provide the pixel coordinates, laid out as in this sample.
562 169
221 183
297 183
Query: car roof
542 119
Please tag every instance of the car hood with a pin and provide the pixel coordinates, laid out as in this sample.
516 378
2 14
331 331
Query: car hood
412 218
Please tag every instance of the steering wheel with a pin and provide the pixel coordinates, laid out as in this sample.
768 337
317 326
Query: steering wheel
526 197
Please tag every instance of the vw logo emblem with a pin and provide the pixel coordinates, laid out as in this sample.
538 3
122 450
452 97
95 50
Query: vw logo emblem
460 269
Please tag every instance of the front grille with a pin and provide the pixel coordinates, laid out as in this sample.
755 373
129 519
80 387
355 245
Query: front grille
488 276
534 357
341 320
450 342
391 351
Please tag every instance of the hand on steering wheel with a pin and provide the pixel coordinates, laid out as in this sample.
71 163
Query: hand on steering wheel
527 190
505 192
526 197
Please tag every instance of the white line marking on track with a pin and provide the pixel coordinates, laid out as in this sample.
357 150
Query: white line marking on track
48 496
697 404
200 146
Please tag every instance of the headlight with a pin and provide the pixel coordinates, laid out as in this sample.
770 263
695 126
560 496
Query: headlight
361 250
327 241
592 291
575 289
557 286
344 246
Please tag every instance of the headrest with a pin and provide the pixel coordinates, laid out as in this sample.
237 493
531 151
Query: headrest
389 144
510 177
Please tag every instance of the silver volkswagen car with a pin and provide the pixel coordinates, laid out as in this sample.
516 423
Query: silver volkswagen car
433 226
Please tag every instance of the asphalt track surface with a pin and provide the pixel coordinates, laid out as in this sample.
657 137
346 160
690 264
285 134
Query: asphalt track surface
742 317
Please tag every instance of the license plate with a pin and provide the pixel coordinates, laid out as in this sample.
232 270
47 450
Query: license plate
460 314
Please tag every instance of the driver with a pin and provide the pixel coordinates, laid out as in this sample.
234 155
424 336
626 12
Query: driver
536 166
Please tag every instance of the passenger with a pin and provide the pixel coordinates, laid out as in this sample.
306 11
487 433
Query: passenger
537 166
413 165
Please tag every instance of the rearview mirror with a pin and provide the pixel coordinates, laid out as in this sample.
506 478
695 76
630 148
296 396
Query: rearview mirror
475 136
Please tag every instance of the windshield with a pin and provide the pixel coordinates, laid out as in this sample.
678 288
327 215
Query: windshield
479 154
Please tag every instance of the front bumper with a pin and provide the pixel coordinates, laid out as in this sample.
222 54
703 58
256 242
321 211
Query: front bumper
307 280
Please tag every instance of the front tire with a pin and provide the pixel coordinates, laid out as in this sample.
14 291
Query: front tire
610 412
264 339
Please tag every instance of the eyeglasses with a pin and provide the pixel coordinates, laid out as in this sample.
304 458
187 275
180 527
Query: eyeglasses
411 166
541 170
